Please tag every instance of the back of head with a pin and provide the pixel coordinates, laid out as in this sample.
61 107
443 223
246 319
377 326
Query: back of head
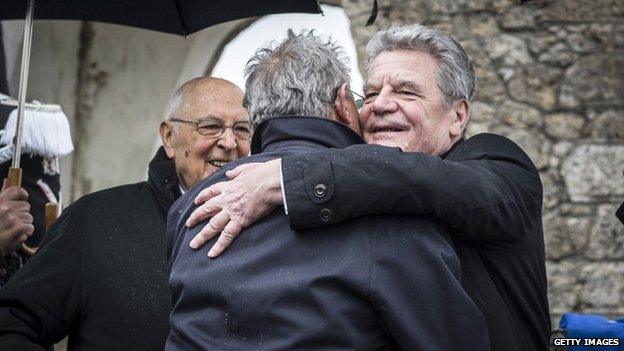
298 77
455 77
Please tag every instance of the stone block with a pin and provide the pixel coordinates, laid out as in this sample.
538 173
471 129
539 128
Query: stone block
532 142
507 73
519 17
553 193
444 6
519 115
496 6
564 125
581 11
508 50
489 87
562 148
617 36
558 55
594 80
575 210
474 49
542 40
482 112
474 26
580 38
603 284
606 124
594 172
474 128
563 287
536 85
550 48
607 236
565 236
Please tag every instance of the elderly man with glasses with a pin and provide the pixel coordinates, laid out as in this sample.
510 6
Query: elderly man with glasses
100 276
205 131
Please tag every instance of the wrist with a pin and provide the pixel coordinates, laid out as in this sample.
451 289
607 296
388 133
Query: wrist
275 185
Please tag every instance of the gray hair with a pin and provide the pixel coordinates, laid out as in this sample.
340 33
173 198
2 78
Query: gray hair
298 77
174 103
455 77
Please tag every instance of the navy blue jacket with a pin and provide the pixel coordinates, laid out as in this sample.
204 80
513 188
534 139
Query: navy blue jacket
485 188
376 283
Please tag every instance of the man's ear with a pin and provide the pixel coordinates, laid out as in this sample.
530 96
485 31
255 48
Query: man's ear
461 115
166 135
345 110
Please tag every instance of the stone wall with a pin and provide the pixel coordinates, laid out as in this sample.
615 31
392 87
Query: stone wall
550 76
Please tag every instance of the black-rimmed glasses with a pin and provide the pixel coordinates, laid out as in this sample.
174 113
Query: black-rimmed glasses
214 128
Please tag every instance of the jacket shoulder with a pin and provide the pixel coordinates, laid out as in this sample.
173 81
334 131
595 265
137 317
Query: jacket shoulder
487 145
117 197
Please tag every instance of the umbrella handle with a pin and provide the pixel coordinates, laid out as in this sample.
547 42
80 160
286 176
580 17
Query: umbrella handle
27 250
51 214
14 177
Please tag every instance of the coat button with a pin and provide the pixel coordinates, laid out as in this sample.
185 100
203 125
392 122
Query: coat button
320 190
326 215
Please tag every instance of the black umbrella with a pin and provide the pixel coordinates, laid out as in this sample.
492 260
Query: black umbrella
181 17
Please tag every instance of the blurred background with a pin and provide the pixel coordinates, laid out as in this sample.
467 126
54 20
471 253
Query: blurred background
549 76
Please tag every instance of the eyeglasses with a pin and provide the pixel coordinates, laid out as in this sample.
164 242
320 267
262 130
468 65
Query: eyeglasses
360 99
214 128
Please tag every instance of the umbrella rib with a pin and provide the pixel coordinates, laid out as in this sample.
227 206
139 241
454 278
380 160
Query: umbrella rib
184 29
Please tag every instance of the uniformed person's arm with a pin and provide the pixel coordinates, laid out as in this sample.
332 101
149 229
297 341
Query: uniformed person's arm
41 301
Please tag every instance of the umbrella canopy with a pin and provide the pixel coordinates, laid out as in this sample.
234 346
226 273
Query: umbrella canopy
181 17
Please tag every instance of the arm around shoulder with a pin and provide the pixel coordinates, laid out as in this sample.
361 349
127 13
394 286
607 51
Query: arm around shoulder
485 189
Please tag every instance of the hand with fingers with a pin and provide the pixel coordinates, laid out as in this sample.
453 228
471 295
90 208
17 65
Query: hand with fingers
16 222
251 193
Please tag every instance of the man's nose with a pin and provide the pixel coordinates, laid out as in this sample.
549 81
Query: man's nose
227 141
384 103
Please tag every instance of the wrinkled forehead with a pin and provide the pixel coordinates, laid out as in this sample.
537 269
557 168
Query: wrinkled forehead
402 67
224 106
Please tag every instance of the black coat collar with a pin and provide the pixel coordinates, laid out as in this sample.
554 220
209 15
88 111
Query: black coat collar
314 130
453 147
163 180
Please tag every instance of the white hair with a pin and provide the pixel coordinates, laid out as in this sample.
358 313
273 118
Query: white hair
455 77
299 77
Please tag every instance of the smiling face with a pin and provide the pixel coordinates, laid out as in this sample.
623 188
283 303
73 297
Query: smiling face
405 108
197 156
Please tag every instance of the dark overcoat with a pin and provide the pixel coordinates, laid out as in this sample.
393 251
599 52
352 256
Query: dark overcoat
375 283
485 188
100 276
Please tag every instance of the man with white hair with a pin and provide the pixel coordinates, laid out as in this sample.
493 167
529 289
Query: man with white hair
418 90
100 277
354 286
